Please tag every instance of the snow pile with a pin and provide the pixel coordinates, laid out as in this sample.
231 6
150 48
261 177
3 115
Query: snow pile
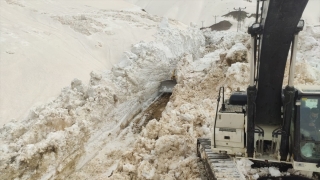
308 65
237 74
46 44
233 50
238 53
309 46
244 166
71 128
165 149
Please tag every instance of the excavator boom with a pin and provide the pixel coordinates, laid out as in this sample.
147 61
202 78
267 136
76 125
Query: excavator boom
279 26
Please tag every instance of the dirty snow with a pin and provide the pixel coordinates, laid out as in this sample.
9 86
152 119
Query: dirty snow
86 131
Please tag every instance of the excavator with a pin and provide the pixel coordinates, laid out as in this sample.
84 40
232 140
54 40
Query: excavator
265 123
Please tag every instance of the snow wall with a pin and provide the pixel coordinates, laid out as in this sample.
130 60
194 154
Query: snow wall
53 138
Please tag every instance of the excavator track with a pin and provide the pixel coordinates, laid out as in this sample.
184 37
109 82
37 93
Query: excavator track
223 167
217 166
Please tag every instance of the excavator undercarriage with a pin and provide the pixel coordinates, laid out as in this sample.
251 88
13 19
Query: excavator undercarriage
221 166
217 166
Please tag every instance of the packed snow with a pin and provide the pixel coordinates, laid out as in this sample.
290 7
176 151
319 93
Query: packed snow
46 44
86 132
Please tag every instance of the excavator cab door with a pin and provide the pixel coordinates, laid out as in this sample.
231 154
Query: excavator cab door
306 144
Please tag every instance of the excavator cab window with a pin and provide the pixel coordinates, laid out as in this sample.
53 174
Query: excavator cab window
310 127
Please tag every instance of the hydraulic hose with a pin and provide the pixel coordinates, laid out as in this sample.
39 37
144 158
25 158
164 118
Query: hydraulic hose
215 120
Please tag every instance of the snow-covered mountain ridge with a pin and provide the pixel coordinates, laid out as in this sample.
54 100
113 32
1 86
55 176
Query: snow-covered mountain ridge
209 12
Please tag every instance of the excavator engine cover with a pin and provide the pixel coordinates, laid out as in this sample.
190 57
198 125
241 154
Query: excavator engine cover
238 98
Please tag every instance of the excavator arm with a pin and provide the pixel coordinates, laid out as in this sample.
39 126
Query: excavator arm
278 23
279 26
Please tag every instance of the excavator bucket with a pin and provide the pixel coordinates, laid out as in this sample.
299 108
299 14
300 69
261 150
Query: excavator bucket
167 86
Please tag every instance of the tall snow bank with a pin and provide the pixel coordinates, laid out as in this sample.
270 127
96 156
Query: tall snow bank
46 44
238 53
307 69
309 46
168 145
59 134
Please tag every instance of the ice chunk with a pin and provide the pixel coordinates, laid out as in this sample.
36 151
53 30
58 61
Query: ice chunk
164 23
255 176
274 171
128 168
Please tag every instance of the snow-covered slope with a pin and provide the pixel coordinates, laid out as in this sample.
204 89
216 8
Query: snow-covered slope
46 44
76 124
188 11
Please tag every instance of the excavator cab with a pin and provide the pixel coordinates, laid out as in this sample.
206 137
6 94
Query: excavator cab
306 135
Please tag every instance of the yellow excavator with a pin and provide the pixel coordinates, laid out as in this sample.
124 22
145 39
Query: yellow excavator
266 123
